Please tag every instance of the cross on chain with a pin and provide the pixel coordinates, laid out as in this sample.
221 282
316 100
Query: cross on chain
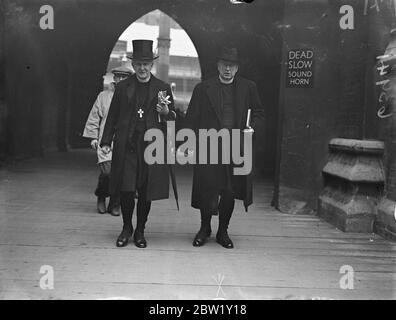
140 111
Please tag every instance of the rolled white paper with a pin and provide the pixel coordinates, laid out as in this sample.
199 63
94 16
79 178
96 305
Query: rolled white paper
248 119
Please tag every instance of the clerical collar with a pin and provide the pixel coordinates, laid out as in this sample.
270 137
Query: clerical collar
226 82
143 82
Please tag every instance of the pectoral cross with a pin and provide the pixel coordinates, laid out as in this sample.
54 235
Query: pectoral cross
140 111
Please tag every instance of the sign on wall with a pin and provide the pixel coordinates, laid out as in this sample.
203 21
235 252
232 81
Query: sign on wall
300 68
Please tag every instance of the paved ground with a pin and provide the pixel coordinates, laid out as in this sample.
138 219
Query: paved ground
47 217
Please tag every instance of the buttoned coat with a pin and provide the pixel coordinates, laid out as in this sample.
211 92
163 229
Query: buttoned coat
122 118
96 122
204 112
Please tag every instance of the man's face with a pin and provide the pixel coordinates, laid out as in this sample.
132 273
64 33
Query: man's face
227 69
119 77
142 69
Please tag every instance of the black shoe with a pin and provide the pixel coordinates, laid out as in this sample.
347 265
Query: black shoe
124 237
101 205
139 239
115 211
201 237
224 240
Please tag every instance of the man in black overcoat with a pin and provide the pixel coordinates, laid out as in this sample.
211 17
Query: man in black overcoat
221 102
134 110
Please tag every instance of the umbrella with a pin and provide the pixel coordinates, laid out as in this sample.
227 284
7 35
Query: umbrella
174 185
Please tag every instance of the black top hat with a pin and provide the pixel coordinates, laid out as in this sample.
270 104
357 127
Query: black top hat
228 54
142 50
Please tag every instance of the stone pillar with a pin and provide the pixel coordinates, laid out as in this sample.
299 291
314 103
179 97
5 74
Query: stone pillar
163 47
3 106
353 184
385 224
307 115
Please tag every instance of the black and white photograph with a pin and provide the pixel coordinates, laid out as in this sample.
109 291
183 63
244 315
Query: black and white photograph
197 150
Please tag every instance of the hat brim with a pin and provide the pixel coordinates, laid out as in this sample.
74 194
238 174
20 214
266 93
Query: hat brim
143 58
228 60
121 73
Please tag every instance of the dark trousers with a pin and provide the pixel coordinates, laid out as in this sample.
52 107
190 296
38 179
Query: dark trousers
128 205
212 205
102 189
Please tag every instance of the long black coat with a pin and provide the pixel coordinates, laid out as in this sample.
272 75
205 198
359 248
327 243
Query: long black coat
122 116
204 112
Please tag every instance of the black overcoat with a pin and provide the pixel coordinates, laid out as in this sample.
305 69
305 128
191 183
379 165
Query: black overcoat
204 112
122 116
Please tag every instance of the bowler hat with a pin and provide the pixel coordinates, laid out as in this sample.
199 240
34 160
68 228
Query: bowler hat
122 71
142 50
228 54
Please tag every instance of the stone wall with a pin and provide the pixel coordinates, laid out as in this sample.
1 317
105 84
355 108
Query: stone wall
307 115
353 184
343 101
57 74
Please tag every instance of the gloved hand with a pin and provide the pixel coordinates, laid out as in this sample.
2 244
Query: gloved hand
106 149
94 144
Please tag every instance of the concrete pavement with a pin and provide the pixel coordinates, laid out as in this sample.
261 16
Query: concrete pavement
48 218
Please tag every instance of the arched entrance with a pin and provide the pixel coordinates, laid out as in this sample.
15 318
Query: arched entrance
178 62
254 32
62 73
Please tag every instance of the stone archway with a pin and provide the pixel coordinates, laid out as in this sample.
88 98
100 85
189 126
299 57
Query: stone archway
255 33
178 61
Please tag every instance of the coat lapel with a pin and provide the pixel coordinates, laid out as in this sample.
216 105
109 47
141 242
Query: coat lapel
214 95
240 107
131 89
153 90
